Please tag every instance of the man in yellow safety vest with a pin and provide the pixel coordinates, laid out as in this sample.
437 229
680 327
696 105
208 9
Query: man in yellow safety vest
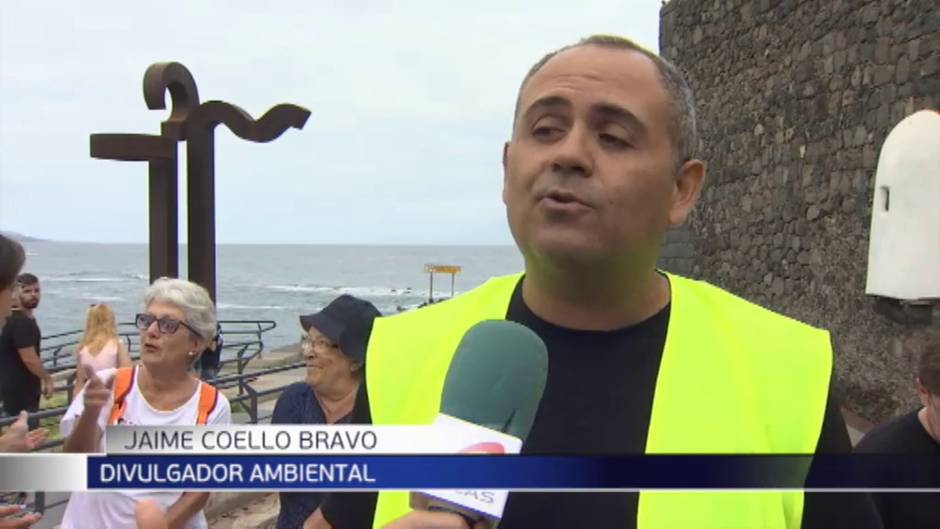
601 163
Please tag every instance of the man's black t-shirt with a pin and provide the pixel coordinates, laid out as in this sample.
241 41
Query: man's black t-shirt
16 381
598 400
904 510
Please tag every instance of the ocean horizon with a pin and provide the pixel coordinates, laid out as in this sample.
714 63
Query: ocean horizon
276 282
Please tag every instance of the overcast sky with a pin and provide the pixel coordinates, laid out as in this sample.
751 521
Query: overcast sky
410 102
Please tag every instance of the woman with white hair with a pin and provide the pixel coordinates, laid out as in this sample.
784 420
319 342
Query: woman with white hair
179 320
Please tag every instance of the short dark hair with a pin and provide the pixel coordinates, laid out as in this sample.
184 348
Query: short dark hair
27 279
12 258
928 367
683 127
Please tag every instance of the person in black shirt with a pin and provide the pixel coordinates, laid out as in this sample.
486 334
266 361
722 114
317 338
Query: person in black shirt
601 162
22 375
18 437
915 433
210 359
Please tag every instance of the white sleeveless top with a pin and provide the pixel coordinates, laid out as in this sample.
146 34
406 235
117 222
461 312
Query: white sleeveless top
115 509
106 358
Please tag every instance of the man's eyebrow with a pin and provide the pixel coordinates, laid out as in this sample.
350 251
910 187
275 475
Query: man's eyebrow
545 103
620 114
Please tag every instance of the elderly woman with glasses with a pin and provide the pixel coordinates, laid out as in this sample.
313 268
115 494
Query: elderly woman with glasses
179 320
335 350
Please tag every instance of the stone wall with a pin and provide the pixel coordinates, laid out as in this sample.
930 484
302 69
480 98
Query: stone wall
795 99
678 251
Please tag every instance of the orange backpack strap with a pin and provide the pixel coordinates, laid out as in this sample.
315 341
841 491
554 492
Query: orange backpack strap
208 399
123 382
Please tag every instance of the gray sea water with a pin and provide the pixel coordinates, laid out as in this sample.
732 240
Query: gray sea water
257 282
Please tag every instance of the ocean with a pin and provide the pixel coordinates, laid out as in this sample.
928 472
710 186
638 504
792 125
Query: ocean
257 282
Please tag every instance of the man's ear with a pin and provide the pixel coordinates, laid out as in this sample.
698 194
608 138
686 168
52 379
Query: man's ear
689 181
922 392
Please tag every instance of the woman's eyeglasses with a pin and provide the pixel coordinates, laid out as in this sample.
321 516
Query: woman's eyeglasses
320 344
165 325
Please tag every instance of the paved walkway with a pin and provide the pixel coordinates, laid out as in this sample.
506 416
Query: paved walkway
260 513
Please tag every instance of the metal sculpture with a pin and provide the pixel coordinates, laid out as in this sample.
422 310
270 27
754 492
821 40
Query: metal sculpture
193 123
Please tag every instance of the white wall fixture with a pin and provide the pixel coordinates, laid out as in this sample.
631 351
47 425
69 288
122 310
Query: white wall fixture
904 240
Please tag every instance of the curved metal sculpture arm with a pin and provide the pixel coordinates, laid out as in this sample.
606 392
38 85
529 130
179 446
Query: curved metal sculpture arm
266 128
161 77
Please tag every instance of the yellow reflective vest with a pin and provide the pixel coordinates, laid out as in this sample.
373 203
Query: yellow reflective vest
734 378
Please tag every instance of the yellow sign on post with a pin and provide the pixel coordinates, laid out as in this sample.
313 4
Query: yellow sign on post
432 269
441 269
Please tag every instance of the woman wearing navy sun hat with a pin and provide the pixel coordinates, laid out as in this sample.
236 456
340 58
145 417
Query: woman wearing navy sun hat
335 351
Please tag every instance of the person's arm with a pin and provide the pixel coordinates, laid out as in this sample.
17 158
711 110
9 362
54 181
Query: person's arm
85 435
18 438
9 519
123 356
31 360
149 515
837 510
189 504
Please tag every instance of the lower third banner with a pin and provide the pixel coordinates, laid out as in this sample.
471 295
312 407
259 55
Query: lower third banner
409 472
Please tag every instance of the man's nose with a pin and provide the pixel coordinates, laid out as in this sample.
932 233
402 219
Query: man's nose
573 154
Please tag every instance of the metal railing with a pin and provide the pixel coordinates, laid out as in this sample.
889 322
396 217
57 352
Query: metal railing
60 356
242 380
248 400
254 396
242 342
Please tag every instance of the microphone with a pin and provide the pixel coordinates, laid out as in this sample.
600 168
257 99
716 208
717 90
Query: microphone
491 394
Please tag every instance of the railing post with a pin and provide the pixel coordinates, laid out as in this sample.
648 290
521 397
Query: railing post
258 334
240 366
253 407
71 386
39 505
